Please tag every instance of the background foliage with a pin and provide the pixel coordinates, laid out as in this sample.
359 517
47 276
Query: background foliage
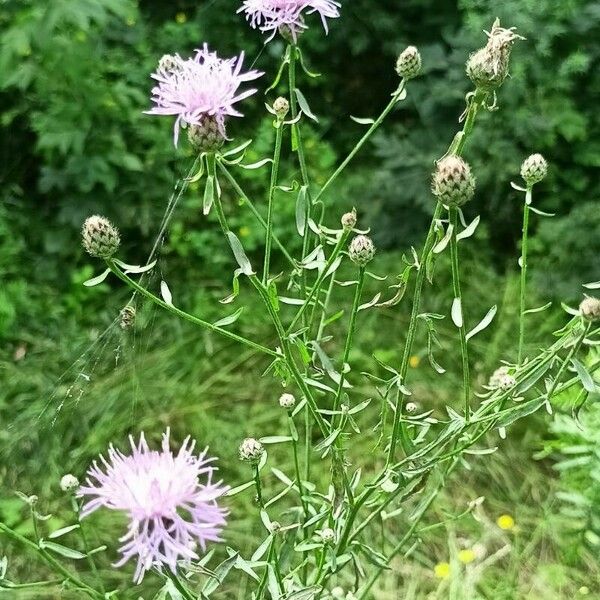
74 141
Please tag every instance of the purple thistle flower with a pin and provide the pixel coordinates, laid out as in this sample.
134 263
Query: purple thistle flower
170 511
202 86
274 15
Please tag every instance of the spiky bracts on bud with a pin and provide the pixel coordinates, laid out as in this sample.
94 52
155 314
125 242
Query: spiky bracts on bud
497 376
452 181
534 169
348 219
99 237
409 63
487 68
251 450
69 483
287 401
207 136
127 317
506 382
590 308
281 107
361 250
328 535
170 63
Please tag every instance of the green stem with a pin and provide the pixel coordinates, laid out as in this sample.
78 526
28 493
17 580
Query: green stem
349 336
398 428
256 475
182 589
236 186
182 314
314 293
298 146
294 435
289 357
523 274
274 173
375 125
86 546
458 297
55 564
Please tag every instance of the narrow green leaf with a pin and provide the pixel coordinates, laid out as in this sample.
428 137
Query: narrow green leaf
240 255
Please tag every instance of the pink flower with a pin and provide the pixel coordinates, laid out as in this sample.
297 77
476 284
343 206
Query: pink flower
201 86
170 501
272 15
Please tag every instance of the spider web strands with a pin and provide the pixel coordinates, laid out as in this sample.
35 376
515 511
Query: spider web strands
80 373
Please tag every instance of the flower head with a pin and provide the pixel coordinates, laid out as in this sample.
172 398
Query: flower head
201 87
286 16
69 483
100 238
452 182
534 169
408 64
361 250
170 500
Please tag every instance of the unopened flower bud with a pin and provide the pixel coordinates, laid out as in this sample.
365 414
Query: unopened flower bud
361 250
328 535
170 63
411 407
275 526
251 450
349 219
534 169
488 67
281 107
497 376
99 237
408 64
69 483
452 182
590 308
127 317
507 382
208 136
287 401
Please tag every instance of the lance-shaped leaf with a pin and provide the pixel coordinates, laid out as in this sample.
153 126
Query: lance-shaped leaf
96 280
489 317
304 105
456 312
165 292
302 209
230 319
240 255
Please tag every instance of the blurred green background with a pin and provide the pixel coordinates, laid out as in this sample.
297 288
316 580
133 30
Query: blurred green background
74 82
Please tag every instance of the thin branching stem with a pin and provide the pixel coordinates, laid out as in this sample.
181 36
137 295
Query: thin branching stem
272 187
398 428
523 285
186 316
462 332
52 562
238 190
349 336
396 97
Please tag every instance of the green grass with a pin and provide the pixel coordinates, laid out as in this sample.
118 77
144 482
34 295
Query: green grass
170 374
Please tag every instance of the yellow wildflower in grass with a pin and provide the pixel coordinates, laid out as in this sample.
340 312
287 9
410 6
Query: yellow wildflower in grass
414 361
505 522
466 556
181 18
442 570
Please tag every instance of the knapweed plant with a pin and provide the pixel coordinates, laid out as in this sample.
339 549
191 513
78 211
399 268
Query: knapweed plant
317 540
